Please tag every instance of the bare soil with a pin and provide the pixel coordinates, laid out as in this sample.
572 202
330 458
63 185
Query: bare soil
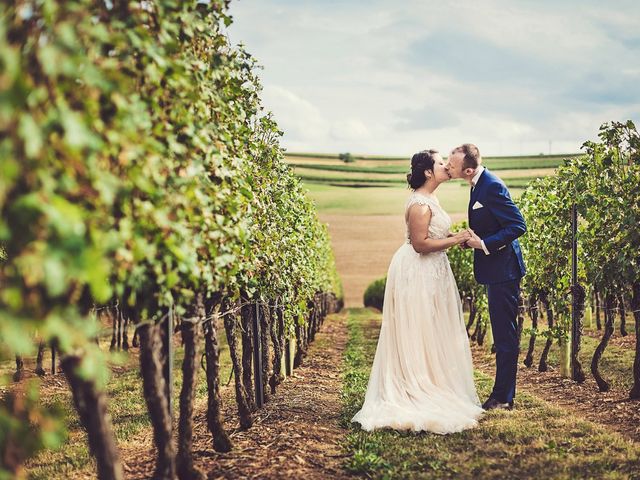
627 342
363 247
295 435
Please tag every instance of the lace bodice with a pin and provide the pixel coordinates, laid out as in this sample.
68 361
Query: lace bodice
440 221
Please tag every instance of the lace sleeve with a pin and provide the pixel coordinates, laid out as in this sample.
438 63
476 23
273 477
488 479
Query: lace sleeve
420 200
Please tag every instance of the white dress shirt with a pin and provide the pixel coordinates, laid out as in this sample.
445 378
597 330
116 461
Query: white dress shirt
474 180
476 177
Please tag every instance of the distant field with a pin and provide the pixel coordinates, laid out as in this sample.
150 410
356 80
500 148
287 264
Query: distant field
366 224
334 156
294 159
453 196
351 168
392 172
372 172
399 164
513 178
315 172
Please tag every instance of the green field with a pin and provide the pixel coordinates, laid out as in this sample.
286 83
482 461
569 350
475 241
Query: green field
453 197
400 164
377 173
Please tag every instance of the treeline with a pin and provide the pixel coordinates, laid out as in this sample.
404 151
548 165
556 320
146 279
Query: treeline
139 175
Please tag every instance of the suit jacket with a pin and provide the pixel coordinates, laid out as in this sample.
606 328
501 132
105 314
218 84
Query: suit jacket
499 223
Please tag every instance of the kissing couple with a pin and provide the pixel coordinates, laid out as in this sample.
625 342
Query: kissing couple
422 373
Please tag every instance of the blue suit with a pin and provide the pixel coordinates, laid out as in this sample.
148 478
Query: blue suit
497 221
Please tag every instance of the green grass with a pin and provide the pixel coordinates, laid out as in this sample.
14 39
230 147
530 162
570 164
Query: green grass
330 199
352 169
536 440
616 364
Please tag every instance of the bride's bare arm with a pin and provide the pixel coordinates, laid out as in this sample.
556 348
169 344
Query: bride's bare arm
419 219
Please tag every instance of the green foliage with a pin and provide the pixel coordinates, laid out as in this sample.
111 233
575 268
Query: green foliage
138 167
605 185
374 294
26 427
608 196
546 207
461 261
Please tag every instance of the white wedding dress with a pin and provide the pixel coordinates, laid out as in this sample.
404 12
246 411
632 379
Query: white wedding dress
422 374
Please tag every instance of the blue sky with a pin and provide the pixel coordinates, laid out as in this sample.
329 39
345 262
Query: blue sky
391 78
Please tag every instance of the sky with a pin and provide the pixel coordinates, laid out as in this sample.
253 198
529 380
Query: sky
377 77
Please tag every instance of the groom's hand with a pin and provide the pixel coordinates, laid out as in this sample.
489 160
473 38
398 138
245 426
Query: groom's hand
475 241
462 244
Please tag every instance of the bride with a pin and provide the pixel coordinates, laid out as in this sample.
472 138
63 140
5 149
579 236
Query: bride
422 374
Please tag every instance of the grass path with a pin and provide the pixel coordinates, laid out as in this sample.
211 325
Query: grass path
536 440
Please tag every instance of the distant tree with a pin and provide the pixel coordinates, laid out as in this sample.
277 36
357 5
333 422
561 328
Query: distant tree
346 157
374 294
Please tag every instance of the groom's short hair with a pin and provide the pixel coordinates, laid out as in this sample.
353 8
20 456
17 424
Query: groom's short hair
472 156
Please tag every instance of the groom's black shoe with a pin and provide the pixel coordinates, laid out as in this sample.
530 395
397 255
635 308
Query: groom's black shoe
492 404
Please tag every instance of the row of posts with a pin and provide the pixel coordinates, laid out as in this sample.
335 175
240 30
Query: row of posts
257 358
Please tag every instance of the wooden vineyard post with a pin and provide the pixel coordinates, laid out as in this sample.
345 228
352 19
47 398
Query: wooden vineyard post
577 301
287 357
53 358
257 357
168 366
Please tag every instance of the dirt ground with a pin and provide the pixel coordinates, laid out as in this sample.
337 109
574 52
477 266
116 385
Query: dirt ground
613 409
363 247
295 435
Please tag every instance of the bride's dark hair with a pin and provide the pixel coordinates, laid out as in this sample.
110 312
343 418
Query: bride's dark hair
420 162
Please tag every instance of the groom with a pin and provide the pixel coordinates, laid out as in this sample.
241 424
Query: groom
495 223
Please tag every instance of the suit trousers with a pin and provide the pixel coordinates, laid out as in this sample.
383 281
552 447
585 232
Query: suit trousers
503 312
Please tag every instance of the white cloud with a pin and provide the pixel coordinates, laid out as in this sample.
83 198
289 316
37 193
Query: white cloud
394 77
294 114
350 129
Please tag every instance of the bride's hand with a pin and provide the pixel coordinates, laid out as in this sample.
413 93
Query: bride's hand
462 236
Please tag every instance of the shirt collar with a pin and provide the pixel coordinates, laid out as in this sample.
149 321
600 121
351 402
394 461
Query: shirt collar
476 177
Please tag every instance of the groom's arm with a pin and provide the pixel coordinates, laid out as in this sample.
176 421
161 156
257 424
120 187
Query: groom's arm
511 221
